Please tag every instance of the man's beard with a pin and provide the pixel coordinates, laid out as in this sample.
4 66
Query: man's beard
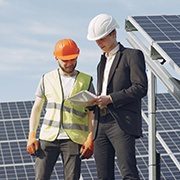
69 69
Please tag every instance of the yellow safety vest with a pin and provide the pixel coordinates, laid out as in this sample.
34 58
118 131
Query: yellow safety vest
73 118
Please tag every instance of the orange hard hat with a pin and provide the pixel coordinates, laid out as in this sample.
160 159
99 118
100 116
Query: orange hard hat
66 49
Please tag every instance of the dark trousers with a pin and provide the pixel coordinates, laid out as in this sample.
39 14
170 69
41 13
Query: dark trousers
49 154
111 141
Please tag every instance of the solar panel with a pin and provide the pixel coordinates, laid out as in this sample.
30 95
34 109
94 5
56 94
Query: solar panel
16 164
160 28
163 33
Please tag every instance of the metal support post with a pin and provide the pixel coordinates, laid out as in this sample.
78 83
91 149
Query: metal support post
152 126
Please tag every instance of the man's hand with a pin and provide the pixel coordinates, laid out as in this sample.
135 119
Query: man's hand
87 148
32 144
103 100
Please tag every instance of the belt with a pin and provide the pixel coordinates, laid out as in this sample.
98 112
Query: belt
105 116
104 111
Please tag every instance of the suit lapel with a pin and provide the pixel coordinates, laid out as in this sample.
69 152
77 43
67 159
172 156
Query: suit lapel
114 65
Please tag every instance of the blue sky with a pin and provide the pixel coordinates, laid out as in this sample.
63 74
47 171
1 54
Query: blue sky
29 30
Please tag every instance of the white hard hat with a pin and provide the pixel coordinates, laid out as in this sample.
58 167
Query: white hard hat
100 26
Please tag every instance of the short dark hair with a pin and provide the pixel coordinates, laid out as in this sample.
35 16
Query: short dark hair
114 30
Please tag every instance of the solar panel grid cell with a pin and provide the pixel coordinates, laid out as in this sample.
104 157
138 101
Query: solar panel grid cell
170 172
172 140
11 173
142 145
3 134
143 170
166 121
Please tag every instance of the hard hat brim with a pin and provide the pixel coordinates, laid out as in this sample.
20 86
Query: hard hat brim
69 57
103 35
97 38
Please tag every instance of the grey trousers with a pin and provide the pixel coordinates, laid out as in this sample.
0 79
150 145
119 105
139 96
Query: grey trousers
111 141
48 155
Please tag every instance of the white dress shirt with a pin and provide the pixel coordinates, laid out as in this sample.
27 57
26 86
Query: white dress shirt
109 60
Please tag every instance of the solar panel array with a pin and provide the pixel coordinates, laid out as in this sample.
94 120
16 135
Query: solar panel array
16 164
165 30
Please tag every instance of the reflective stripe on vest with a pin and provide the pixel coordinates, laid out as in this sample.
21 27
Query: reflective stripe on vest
66 126
74 119
65 108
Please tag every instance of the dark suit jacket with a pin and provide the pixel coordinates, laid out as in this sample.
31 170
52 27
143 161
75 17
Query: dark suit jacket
127 84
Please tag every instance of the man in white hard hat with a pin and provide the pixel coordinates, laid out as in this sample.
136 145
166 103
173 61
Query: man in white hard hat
66 129
121 84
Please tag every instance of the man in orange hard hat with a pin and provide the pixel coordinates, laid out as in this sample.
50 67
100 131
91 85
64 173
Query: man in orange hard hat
67 128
